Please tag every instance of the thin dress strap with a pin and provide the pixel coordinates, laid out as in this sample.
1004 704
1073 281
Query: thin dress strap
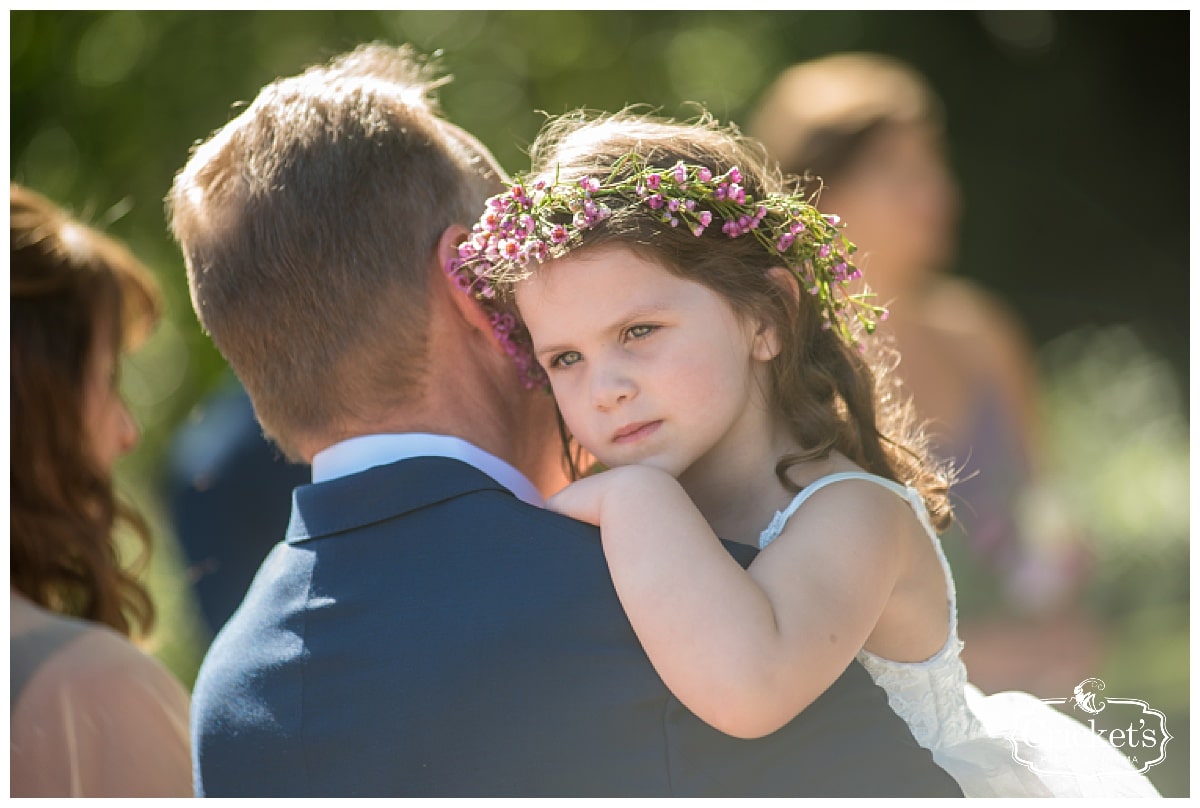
915 500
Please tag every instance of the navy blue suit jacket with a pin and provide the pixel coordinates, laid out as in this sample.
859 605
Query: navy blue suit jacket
422 632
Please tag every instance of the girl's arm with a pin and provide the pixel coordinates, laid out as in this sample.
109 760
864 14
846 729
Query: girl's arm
745 650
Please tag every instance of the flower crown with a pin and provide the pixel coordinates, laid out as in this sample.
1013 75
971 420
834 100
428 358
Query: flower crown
548 219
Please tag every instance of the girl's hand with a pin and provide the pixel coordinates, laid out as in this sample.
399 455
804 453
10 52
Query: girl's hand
584 500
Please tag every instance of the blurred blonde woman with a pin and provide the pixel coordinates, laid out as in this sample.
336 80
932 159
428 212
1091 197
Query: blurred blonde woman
872 130
91 714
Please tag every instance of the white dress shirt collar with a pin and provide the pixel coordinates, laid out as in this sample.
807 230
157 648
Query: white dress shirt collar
358 454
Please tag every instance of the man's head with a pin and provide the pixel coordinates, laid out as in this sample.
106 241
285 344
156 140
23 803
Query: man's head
309 225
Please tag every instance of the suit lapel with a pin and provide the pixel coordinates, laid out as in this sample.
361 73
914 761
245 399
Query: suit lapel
380 493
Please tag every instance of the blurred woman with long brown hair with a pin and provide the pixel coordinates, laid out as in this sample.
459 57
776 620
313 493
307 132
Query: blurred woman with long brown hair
91 714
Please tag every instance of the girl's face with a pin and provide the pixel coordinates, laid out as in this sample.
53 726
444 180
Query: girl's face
107 422
647 367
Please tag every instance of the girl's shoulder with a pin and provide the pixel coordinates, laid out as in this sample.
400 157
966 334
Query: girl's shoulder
842 500
839 478
856 497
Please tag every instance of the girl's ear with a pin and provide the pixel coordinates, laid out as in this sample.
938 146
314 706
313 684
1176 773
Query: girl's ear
767 340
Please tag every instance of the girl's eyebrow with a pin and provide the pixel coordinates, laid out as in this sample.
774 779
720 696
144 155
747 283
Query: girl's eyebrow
621 322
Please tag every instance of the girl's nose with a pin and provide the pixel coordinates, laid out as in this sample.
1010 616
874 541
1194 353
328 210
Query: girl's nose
612 387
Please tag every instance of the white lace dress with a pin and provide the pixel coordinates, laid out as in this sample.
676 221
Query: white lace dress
977 739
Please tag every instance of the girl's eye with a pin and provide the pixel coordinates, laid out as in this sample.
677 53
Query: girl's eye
566 359
640 331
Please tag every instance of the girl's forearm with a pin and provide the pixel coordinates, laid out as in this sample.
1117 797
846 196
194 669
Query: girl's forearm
707 626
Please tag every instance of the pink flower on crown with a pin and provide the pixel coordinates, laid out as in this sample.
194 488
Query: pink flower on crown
655 201
704 175
467 250
706 217
680 173
735 175
508 248
559 234
653 181
824 251
590 184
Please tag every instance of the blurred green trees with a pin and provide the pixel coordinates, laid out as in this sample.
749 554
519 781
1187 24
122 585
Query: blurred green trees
1068 132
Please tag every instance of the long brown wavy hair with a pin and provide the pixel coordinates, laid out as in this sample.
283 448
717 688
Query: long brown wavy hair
830 395
71 287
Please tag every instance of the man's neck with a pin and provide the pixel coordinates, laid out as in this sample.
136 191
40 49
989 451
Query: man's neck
369 451
522 433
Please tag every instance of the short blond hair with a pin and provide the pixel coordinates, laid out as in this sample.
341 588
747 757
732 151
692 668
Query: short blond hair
308 224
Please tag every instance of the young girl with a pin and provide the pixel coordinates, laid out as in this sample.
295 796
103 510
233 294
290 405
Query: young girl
693 317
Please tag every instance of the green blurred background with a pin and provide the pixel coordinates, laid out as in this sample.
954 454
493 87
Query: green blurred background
1068 133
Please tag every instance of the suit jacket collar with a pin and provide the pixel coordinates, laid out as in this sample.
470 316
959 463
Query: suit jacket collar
384 492
381 492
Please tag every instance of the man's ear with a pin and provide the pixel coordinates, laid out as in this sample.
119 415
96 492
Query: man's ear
767 339
465 303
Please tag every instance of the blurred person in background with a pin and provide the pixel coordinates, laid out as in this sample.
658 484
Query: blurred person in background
869 131
91 714
229 491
